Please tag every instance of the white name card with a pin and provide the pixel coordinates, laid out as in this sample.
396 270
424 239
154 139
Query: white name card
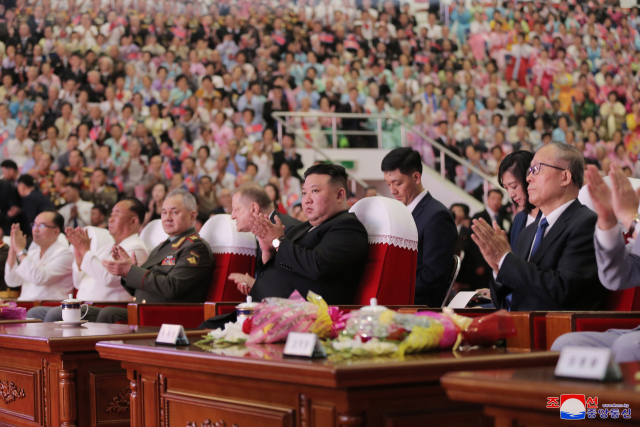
303 345
461 299
588 363
172 335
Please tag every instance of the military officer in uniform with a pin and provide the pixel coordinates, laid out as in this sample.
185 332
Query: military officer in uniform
177 270
99 192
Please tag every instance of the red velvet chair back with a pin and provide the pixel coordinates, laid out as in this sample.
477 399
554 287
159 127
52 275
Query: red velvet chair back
626 300
234 252
390 274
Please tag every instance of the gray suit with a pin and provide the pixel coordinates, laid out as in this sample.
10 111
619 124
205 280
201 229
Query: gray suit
618 269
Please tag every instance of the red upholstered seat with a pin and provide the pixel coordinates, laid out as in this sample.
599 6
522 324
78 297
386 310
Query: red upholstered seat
626 300
390 273
233 252
540 333
26 304
189 317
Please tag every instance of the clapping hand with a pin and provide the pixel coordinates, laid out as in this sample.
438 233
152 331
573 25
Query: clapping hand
493 242
121 263
624 199
18 239
80 240
243 281
266 232
601 198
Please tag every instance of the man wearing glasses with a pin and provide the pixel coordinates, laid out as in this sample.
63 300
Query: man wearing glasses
45 270
553 266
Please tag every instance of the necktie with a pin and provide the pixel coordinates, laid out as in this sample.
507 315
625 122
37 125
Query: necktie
539 235
542 226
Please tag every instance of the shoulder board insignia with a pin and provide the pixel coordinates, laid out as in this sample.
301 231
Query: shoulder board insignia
179 243
193 238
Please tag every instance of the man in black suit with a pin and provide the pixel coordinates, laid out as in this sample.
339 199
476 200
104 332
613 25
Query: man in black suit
493 210
437 232
278 103
553 266
33 202
287 155
326 255
352 106
249 200
9 197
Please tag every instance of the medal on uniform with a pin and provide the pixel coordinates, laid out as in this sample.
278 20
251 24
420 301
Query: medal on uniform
169 260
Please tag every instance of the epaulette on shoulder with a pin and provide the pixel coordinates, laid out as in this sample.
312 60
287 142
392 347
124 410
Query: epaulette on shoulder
193 238
179 243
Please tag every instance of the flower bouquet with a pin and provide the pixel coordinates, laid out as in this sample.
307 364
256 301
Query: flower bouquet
11 311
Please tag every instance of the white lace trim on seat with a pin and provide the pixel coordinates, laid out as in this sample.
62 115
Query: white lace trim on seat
237 250
394 241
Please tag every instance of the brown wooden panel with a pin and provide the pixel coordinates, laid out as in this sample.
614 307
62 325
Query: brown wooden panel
149 398
322 414
181 410
20 393
110 397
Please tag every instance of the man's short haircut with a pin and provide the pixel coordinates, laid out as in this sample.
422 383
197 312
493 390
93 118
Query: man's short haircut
73 185
101 208
58 220
465 208
573 159
9 164
337 173
188 200
27 180
405 159
495 190
136 207
256 194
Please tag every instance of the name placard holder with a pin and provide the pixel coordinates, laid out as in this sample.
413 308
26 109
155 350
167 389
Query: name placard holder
588 363
303 345
172 335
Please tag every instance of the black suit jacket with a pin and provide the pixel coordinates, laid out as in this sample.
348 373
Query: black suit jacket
9 197
485 215
328 260
561 275
294 164
288 221
437 235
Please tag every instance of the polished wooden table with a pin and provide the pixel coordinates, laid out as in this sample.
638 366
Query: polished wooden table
12 321
519 397
258 386
53 376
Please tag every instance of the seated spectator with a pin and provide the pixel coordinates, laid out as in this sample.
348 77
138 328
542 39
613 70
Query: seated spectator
33 202
90 278
44 270
617 268
553 266
437 233
248 201
326 255
177 270
76 212
99 216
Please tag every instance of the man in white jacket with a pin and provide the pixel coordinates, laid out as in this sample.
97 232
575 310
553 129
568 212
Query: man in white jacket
44 270
93 281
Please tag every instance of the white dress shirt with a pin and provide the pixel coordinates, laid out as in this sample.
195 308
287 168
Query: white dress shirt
411 206
84 213
95 283
42 276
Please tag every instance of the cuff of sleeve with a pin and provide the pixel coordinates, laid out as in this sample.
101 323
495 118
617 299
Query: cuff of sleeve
86 261
608 238
495 275
135 278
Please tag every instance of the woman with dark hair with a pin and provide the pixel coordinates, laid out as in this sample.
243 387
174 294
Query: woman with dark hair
512 176
274 194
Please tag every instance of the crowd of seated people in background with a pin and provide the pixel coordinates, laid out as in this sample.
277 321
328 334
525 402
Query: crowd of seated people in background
117 113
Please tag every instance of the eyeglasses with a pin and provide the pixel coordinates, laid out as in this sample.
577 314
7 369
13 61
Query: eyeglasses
535 169
41 226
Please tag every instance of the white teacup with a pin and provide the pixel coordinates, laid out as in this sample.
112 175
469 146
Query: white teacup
72 310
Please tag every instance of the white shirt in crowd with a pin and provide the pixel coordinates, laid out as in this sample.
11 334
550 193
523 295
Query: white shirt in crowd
95 283
84 213
45 276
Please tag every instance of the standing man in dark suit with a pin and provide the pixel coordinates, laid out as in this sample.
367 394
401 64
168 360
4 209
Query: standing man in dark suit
33 202
437 232
249 200
278 103
553 266
492 211
9 197
177 270
288 155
